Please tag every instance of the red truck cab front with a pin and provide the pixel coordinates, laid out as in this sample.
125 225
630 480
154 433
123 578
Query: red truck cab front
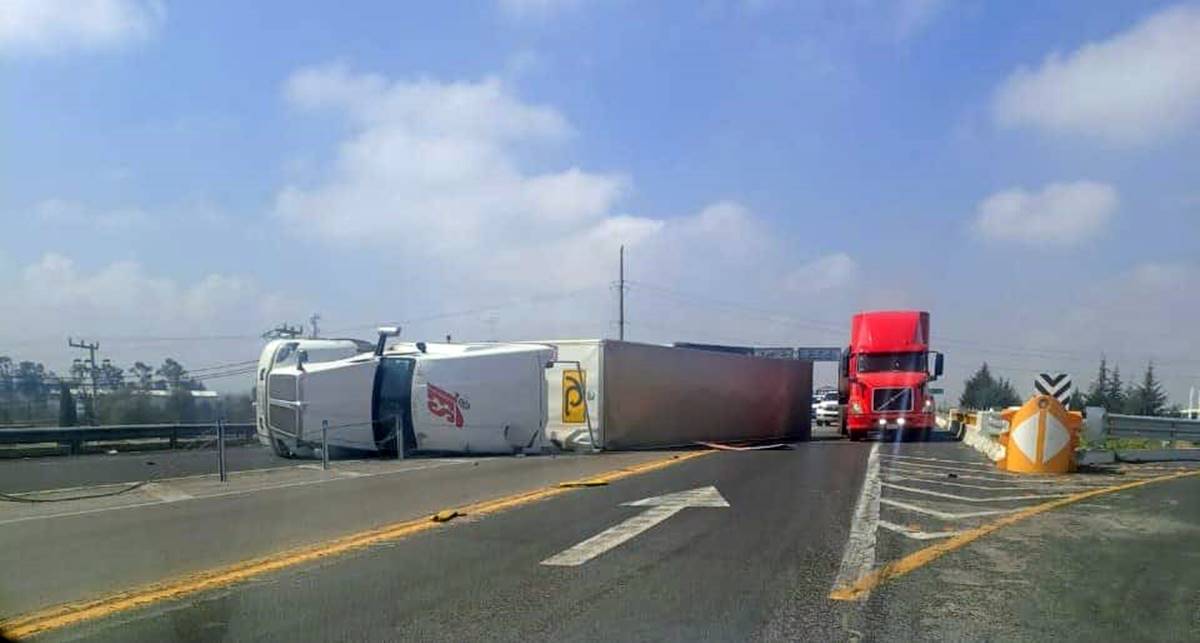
885 374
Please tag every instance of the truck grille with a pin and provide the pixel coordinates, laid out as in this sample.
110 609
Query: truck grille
892 399
282 386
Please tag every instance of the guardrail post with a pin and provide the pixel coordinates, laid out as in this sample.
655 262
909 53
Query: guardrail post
325 444
396 437
174 439
221 450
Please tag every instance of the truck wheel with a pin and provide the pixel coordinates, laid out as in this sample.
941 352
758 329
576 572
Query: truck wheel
281 449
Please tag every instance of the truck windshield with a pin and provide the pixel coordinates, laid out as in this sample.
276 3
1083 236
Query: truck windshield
392 400
881 362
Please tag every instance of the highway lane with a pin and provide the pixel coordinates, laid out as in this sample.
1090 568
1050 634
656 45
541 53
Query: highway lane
62 471
53 553
760 567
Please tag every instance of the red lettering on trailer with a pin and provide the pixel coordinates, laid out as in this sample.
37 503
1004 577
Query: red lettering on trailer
444 404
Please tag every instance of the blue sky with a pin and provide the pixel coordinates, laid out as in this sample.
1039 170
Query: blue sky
205 170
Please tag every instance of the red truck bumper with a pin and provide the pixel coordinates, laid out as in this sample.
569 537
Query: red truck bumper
863 425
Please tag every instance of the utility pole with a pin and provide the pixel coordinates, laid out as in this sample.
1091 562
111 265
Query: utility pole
621 297
91 348
314 330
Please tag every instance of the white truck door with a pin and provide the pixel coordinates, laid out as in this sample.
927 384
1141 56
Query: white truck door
485 402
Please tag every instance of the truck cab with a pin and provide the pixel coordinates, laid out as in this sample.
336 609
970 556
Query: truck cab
411 397
885 375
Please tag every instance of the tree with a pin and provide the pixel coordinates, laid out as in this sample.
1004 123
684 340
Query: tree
239 407
976 387
1004 395
30 381
143 375
982 391
111 377
126 406
1098 391
1115 398
181 406
6 378
174 374
1078 400
67 415
1148 397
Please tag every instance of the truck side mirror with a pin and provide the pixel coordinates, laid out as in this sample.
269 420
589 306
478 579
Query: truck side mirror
938 365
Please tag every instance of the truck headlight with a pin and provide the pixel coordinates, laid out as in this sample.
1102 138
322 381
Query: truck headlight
855 408
928 402
899 421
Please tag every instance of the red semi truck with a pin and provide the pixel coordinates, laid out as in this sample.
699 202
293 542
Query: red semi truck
885 375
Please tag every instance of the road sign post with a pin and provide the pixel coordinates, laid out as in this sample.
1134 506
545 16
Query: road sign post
325 444
1056 385
221 450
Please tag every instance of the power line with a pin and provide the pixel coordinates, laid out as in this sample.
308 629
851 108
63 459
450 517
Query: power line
524 301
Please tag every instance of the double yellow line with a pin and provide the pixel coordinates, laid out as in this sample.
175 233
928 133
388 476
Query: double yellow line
74 613
859 588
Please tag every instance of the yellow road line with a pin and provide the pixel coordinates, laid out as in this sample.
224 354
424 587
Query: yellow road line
922 557
74 613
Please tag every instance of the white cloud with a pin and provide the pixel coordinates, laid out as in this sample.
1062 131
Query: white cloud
42 27
1059 214
67 213
123 298
833 272
1134 88
433 182
437 164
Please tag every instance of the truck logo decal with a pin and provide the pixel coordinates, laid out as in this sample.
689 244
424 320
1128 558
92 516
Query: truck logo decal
573 385
446 405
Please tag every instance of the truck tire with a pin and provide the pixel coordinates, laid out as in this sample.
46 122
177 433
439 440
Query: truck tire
281 449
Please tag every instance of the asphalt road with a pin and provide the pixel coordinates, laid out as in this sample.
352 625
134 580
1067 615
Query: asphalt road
63 471
705 573
1122 566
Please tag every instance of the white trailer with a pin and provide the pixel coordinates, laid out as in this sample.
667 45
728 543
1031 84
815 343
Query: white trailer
452 398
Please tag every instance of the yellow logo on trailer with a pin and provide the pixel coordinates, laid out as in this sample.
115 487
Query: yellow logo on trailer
574 393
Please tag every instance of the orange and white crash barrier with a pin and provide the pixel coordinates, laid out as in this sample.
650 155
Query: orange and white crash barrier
1041 437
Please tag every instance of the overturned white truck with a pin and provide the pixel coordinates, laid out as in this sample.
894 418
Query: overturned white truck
512 397
418 397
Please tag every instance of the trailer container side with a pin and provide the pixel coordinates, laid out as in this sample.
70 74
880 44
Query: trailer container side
644 396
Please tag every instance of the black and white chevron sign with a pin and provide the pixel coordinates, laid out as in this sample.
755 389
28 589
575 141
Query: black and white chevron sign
1057 384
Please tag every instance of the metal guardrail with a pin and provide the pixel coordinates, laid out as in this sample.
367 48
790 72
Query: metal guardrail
1100 424
76 436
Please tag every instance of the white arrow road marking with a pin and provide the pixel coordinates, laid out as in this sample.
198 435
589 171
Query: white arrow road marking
859 556
661 508
916 534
